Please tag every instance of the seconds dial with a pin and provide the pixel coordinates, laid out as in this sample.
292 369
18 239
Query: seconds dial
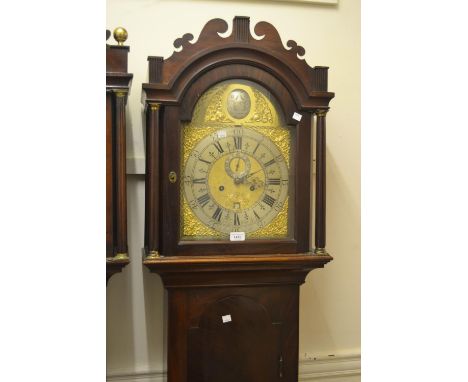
236 179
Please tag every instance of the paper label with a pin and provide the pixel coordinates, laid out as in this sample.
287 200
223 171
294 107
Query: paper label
222 134
297 116
237 236
226 318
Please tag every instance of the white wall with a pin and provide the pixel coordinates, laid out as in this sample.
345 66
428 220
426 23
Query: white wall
330 299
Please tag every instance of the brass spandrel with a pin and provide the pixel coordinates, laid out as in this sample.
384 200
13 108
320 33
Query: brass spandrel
216 108
192 134
279 135
192 226
277 228
263 109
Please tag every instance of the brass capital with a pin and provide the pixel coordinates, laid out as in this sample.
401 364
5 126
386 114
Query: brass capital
320 252
154 106
321 113
121 92
121 256
153 255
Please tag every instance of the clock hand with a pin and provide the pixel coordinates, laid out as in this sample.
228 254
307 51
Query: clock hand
248 176
254 184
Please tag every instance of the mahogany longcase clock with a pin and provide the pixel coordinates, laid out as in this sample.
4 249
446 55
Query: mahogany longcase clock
118 82
229 123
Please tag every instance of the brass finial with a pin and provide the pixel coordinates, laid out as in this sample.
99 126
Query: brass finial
120 35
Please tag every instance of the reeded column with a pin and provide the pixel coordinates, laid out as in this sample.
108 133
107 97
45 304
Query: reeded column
109 176
152 180
121 246
320 184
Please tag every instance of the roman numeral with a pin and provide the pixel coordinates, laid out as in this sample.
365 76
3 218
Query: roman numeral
256 215
205 161
217 214
274 181
218 147
267 199
269 163
203 200
255 149
238 142
236 219
199 181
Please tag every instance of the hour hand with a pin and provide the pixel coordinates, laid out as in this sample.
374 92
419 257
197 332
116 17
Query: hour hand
249 175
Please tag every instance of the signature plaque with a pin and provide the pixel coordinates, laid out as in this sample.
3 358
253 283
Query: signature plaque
238 103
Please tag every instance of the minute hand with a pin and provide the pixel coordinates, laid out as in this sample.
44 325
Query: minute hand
248 176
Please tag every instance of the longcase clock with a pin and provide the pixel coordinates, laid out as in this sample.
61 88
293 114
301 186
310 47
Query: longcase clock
118 82
227 220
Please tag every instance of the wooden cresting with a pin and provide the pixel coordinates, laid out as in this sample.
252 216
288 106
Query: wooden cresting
168 78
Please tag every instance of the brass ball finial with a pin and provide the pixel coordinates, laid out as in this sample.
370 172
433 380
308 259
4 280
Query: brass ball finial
120 35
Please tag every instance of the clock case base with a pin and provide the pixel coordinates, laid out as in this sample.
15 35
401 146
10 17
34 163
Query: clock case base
233 318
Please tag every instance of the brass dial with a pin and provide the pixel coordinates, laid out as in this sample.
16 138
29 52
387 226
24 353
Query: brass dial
235 180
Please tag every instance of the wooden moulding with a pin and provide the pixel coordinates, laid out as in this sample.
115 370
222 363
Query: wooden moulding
114 266
240 270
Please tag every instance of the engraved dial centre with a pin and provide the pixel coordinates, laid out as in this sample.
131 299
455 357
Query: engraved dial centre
230 186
